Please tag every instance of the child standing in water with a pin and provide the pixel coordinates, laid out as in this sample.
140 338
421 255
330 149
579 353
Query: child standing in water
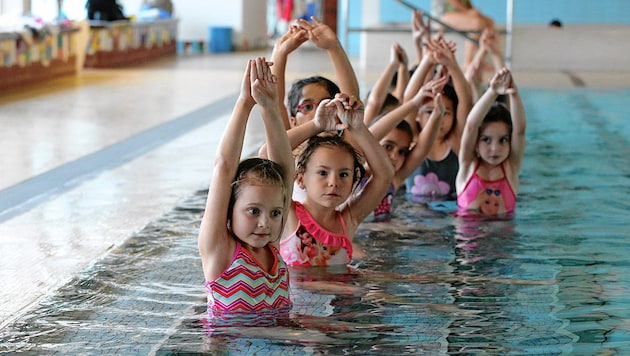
435 178
246 208
396 137
491 154
328 169
306 93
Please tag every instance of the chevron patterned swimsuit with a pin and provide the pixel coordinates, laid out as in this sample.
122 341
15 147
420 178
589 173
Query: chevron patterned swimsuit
246 287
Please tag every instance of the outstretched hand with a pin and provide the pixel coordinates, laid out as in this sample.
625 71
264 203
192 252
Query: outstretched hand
319 33
501 83
264 88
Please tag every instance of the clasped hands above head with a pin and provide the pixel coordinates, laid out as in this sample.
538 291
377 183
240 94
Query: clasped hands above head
340 113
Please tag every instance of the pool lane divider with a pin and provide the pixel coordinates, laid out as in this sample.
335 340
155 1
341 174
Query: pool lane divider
25 195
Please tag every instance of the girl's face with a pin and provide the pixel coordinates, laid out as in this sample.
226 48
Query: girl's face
396 144
312 94
447 118
257 215
328 176
493 145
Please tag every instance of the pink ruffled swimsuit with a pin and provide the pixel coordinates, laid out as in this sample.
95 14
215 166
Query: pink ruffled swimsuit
312 245
489 198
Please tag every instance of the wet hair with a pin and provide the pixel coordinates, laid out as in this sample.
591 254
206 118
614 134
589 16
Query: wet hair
390 100
394 81
295 93
257 170
329 141
406 128
498 113
449 92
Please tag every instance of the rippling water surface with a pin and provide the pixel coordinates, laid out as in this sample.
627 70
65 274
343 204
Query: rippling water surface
553 280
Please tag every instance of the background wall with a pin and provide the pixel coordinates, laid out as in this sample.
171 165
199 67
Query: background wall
603 23
247 18
530 11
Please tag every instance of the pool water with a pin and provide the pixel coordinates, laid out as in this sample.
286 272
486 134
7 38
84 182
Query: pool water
553 280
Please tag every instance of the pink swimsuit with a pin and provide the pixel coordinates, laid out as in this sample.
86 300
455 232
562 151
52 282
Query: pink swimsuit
312 245
490 198
247 287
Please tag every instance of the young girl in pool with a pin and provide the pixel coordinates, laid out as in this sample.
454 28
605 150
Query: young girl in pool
306 93
435 178
246 208
405 151
493 143
328 169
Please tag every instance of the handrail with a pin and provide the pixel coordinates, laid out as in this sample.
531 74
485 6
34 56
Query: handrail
462 33
509 16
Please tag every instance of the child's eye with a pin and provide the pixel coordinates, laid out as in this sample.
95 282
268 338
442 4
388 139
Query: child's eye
388 147
403 152
307 106
253 211
504 140
276 213
344 174
485 140
322 173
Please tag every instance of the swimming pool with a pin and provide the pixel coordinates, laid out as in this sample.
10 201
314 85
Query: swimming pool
554 280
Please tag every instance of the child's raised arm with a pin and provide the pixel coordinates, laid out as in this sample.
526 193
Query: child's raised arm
499 84
286 44
424 142
215 243
265 91
325 120
360 206
420 31
517 112
408 110
376 98
443 53
325 38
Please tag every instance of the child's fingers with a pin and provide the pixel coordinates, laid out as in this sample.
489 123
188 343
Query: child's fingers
305 24
352 100
261 67
253 75
251 71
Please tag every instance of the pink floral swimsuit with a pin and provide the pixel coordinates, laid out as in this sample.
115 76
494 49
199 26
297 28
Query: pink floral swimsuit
312 245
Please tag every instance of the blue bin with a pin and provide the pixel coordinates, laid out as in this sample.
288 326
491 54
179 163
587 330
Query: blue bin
220 39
